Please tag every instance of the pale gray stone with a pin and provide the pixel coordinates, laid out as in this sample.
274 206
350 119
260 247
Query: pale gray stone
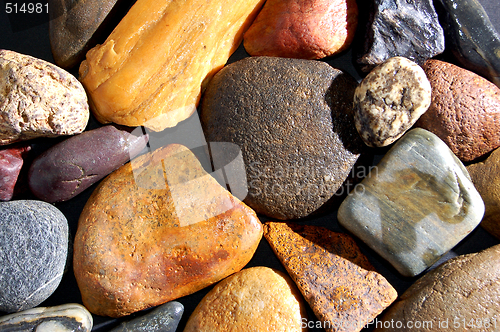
164 318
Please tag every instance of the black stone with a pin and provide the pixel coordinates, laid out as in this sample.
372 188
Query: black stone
404 28
33 253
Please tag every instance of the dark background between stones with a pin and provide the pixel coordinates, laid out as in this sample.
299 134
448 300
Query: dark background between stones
28 34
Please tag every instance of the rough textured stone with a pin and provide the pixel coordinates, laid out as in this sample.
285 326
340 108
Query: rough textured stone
178 47
486 178
332 274
34 238
38 99
11 161
302 29
70 167
165 318
464 112
63 318
471 37
73 26
416 205
389 100
463 292
141 242
293 120
401 28
254 299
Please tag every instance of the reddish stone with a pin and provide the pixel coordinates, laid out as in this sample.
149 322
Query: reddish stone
11 161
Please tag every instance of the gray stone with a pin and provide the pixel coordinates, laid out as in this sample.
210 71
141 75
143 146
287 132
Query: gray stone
164 318
401 28
389 100
70 317
293 120
416 205
33 254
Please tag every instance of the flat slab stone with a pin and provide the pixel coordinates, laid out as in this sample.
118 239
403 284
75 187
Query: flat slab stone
416 205
164 318
336 279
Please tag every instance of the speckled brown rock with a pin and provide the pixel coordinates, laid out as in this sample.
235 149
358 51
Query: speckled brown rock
293 120
302 29
464 112
389 100
38 99
11 161
141 242
463 292
254 299
486 178
335 278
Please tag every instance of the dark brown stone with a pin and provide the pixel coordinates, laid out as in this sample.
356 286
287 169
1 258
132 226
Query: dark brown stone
293 120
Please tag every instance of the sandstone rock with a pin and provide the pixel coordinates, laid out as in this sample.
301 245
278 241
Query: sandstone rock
254 299
178 48
70 167
11 161
461 294
304 30
165 318
38 99
401 28
142 242
293 121
389 101
486 178
34 237
332 274
464 112
417 204
63 318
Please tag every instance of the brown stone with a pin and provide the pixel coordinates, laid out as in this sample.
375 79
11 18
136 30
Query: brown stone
461 294
141 242
335 278
464 112
302 29
486 178
254 299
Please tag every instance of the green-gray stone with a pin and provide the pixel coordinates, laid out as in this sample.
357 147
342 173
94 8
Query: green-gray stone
416 205
164 318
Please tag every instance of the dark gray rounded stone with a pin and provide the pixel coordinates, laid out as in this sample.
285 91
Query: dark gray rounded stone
33 253
293 120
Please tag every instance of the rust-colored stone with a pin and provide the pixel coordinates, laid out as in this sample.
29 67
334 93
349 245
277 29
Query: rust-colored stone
335 278
142 242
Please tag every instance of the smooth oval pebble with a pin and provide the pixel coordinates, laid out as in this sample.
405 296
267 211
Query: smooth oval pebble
70 167
38 99
164 318
70 317
34 238
389 100
254 299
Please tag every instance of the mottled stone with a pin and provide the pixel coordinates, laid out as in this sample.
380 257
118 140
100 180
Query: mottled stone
157 229
416 205
254 299
38 99
302 29
68 168
389 101
486 178
471 37
165 318
341 286
460 295
293 120
75 27
34 238
464 112
11 161
71 317
401 28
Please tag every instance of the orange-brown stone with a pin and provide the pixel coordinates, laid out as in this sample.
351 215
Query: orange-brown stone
157 229
332 274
